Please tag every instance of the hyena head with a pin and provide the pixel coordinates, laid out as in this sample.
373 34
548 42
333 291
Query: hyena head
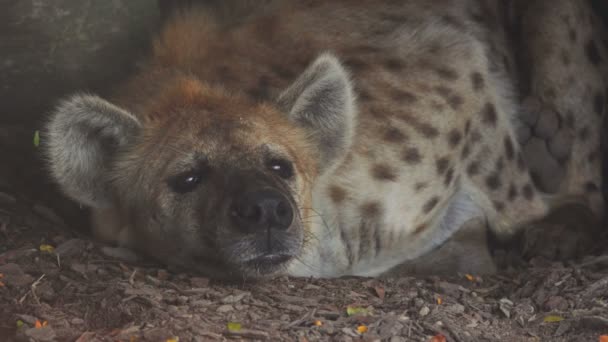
203 178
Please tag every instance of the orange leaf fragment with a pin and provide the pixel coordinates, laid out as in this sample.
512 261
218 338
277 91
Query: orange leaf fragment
318 323
604 338
362 329
439 300
438 338
39 324
1 275
469 277
1 284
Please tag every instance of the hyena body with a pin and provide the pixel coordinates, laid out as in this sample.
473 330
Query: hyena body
329 138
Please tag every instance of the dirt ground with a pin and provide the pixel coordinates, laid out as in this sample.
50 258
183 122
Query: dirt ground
57 285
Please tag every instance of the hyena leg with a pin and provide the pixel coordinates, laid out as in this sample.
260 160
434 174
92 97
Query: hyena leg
561 59
465 252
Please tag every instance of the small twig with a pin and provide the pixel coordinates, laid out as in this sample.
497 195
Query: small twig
301 320
32 291
132 277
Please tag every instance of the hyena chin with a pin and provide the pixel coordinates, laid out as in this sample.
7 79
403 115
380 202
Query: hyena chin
330 138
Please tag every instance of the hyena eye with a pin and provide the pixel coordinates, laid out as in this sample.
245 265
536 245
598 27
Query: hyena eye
185 182
281 167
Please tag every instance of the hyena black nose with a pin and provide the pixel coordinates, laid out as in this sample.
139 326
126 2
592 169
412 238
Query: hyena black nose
261 210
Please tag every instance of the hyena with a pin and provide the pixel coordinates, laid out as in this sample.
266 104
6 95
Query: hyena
329 138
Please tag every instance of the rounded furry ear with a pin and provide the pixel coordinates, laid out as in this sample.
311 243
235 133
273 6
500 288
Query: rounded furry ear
321 100
83 135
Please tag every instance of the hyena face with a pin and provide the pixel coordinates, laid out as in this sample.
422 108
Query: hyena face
201 178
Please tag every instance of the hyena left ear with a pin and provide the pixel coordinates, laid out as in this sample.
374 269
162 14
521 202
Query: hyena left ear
321 101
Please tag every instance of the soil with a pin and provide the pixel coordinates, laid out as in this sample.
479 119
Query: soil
59 285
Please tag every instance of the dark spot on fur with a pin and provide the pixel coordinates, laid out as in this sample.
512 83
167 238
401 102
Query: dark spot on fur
467 127
512 195
449 175
493 181
499 206
420 186
262 90
442 165
593 53
411 155
394 135
475 136
500 164
598 103
454 100
521 164
383 172
473 168
337 194
447 74
370 209
394 64
420 228
477 81
430 204
423 128
454 137
466 151
403 96
356 64
488 114
509 149
528 191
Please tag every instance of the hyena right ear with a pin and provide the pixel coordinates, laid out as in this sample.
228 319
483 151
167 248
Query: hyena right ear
83 135
321 100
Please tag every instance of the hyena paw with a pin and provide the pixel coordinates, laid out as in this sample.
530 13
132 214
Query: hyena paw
546 140
568 232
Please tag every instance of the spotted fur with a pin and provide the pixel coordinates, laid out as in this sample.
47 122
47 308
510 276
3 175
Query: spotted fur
400 119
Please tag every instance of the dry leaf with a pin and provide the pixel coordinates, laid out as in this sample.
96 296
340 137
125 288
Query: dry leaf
469 277
233 326
553 319
174 339
355 310
318 323
604 338
47 248
439 300
362 329
438 338
380 291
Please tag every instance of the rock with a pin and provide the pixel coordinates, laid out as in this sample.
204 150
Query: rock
123 254
7 199
41 334
556 303
199 282
48 214
232 299
424 311
70 248
547 124
225 308
14 275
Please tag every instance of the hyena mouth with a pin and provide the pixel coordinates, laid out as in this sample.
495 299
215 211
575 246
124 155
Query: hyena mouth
268 263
